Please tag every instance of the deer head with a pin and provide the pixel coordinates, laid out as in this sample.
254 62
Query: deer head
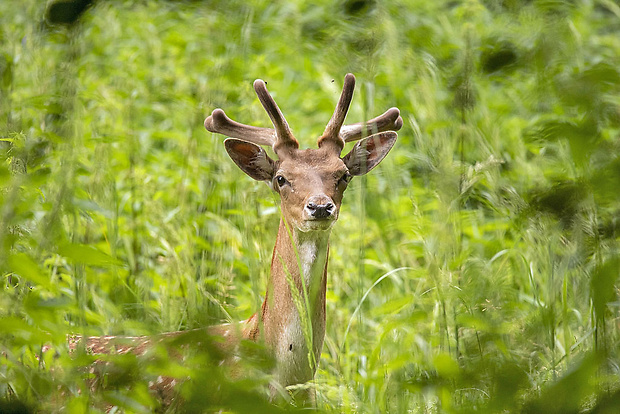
310 182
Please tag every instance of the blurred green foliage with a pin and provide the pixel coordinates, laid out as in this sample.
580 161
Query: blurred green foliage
476 270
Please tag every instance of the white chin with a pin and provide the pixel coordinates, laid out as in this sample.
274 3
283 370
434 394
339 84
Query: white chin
316 225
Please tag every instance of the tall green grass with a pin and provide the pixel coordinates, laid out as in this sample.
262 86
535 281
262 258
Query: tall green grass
476 270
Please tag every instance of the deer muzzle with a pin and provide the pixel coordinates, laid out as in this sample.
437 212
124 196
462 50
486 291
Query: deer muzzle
320 208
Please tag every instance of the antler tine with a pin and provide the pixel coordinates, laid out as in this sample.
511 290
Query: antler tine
335 131
388 121
284 137
219 123
332 130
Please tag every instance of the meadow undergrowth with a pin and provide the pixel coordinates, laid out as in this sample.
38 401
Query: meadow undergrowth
476 270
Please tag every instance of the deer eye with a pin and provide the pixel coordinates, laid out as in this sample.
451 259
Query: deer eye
281 181
344 180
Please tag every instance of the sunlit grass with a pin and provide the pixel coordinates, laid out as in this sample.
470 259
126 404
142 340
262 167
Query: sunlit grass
475 270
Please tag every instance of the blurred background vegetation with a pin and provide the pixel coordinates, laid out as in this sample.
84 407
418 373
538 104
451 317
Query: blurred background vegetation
476 270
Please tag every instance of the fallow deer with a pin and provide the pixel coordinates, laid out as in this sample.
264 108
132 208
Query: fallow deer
311 183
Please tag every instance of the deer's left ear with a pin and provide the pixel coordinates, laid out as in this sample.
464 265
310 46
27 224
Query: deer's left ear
369 152
251 158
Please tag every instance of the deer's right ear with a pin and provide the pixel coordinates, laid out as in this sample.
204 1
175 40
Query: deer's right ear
251 158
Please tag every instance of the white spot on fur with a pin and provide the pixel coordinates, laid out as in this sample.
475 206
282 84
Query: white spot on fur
307 255
312 251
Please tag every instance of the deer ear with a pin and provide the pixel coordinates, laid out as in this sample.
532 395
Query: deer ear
252 159
369 152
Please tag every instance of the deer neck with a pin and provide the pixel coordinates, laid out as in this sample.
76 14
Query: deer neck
301 257
295 298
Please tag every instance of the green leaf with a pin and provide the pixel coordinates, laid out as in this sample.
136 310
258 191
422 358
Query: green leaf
392 306
446 366
22 265
88 255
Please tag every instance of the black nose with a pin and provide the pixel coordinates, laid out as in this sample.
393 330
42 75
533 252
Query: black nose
320 211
